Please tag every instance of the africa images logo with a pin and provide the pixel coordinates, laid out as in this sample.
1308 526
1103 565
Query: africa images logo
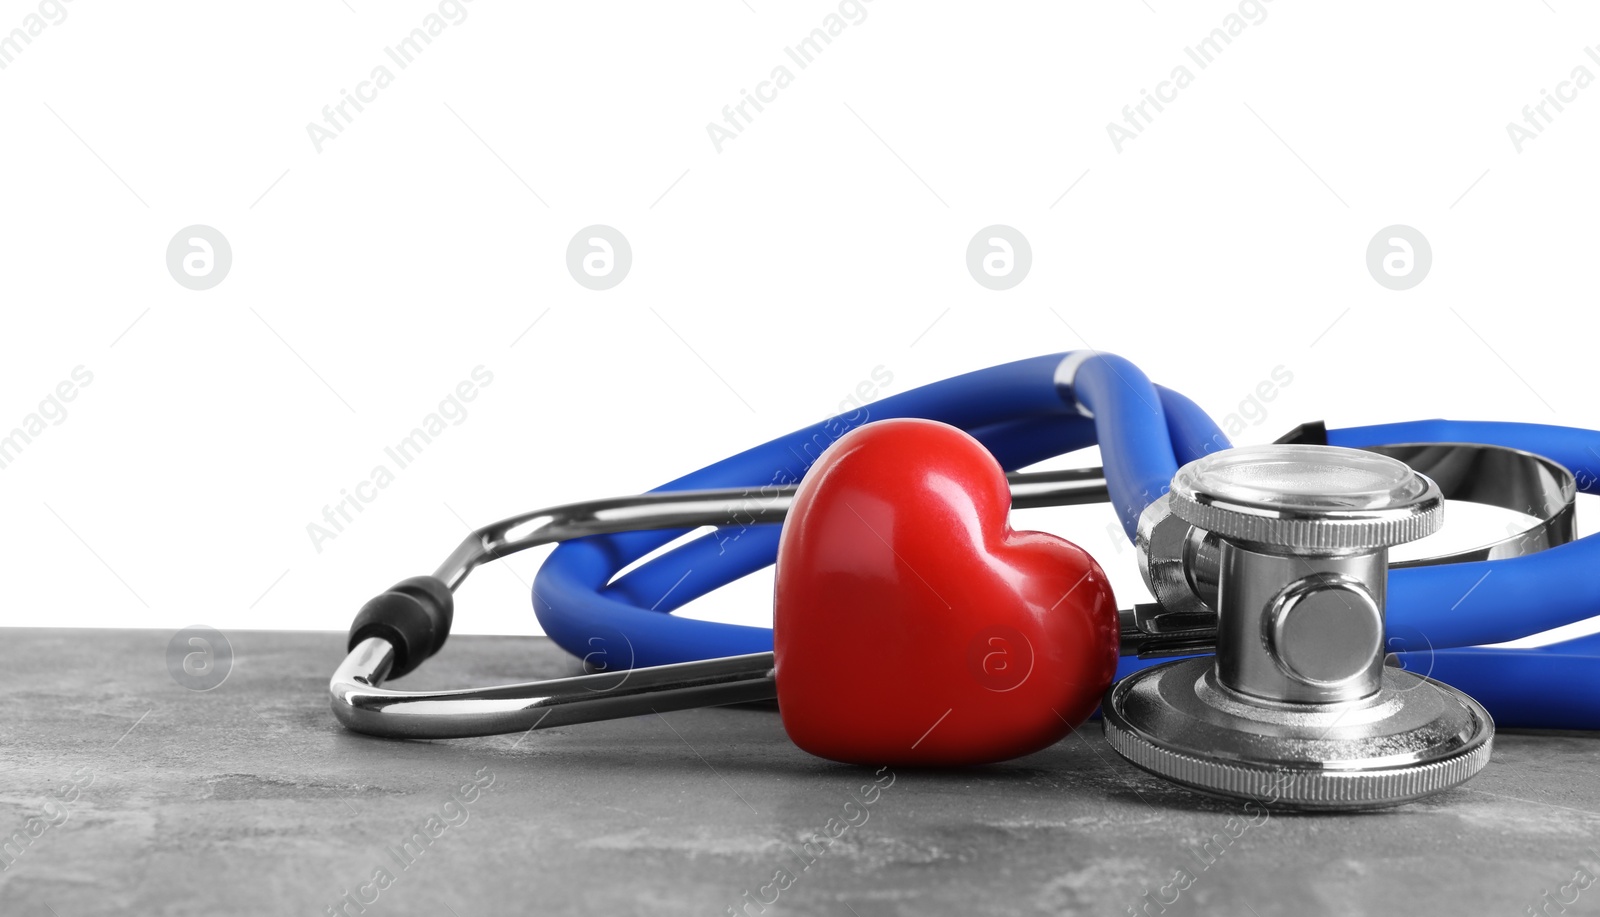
857 810
451 412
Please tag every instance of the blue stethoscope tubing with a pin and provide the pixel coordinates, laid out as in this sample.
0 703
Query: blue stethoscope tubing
1439 617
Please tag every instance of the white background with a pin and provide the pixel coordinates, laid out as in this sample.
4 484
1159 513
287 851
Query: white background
768 279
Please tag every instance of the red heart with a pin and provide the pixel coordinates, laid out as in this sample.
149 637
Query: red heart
912 626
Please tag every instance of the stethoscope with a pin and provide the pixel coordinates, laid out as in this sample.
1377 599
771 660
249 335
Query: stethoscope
1260 671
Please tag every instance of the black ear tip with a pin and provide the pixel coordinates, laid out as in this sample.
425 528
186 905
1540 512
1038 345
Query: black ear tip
414 616
433 592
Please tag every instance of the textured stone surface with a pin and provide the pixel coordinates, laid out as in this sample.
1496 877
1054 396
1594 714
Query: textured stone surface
251 799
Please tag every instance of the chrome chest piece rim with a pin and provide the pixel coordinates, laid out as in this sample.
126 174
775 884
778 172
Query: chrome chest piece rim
1297 708
1416 737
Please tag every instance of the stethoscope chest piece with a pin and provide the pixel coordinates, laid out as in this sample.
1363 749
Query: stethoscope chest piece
1288 544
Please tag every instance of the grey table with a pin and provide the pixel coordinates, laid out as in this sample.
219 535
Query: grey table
123 793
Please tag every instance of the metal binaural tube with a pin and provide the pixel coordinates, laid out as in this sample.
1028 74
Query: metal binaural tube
693 508
363 705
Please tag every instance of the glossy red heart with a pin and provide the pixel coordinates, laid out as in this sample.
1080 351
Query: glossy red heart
912 626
